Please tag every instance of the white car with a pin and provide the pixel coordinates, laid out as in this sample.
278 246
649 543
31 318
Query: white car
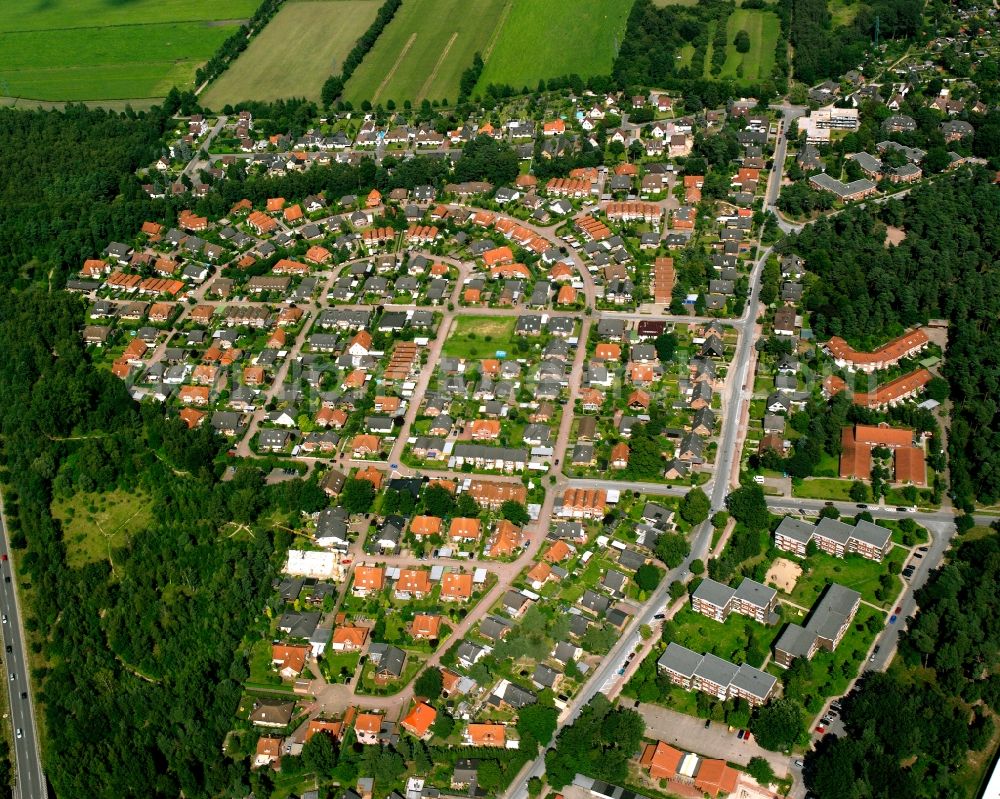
20 733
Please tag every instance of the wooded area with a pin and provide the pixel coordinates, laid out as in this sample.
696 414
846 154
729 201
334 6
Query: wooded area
140 677
945 268
910 730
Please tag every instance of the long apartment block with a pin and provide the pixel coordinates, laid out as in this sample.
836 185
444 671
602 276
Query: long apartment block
717 600
825 628
713 675
834 537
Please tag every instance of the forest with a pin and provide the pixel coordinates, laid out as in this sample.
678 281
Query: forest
916 730
945 268
824 51
136 661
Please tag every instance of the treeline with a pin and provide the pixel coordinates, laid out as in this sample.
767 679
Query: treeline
470 77
334 85
825 51
910 731
143 661
944 268
237 42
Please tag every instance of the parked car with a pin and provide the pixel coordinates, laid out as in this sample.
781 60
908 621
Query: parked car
899 609
820 729
892 619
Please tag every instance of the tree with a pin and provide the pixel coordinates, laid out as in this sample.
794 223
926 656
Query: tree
535 786
443 725
760 770
647 577
742 42
666 346
697 567
538 721
719 519
748 506
333 87
777 725
466 506
859 491
694 506
357 496
672 548
677 589
319 755
515 512
428 684
438 501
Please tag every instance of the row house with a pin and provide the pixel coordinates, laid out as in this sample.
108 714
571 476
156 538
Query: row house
846 357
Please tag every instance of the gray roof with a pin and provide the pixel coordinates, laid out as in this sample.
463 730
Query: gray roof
679 659
716 670
872 534
544 676
594 601
753 681
832 610
299 624
493 627
755 593
388 658
795 640
714 593
796 529
834 529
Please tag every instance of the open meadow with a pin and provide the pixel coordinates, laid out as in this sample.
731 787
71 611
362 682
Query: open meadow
763 28
107 49
553 38
424 50
324 31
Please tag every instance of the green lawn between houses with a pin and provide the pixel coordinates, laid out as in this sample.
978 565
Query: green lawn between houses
479 337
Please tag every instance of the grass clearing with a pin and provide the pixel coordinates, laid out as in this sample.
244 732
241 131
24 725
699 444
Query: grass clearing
737 639
763 28
478 337
94 524
424 50
109 50
852 571
822 488
547 30
323 32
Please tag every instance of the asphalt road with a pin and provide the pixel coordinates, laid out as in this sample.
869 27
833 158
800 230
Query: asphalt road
30 781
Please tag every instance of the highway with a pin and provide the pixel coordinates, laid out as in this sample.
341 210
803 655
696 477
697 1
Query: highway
30 780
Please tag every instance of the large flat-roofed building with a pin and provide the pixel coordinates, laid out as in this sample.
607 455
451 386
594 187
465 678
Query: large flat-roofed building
825 628
715 676
717 600
834 537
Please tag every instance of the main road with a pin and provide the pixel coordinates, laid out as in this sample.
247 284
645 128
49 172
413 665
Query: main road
30 781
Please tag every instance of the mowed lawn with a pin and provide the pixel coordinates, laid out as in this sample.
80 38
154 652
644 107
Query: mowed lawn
305 43
424 50
552 38
107 49
763 28
480 337
94 524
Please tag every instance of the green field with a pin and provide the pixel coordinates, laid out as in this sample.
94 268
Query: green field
108 49
424 50
552 38
480 337
94 524
763 28
324 31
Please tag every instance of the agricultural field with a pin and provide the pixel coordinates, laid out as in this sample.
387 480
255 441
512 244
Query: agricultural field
563 37
95 524
324 31
107 49
424 50
764 29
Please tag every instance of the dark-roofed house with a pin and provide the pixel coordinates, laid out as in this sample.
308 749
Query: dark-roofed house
827 623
